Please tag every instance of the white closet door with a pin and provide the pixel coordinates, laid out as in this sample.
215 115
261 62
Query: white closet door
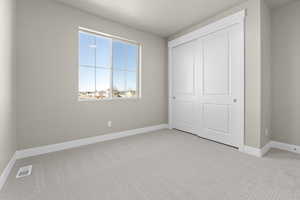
207 85
184 87
221 90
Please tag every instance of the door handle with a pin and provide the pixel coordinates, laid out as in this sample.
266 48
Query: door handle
235 100
174 97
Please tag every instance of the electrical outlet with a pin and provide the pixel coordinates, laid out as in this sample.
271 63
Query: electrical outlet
109 124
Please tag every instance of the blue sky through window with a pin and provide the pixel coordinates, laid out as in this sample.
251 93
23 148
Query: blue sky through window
106 63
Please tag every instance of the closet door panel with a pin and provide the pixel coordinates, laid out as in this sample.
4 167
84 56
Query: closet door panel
184 87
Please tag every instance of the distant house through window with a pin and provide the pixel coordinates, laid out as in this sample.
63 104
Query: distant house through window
108 67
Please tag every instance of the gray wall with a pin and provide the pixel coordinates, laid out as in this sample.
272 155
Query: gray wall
286 73
7 82
252 69
265 74
47 108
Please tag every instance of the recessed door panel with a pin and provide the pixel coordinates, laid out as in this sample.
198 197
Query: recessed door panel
216 117
183 69
183 114
216 64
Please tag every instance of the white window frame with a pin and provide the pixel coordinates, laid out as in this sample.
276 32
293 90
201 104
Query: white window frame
138 72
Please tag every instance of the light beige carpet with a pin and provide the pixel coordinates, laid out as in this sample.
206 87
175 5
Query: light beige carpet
163 165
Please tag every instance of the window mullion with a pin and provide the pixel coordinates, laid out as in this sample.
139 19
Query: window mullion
138 73
95 63
111 69
126 68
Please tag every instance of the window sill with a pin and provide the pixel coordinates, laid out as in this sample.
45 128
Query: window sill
110 99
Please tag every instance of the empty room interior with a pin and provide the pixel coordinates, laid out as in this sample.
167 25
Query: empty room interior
149 100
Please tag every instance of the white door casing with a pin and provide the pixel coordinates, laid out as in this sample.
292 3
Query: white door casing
206 81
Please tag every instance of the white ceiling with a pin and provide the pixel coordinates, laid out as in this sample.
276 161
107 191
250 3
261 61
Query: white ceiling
162 17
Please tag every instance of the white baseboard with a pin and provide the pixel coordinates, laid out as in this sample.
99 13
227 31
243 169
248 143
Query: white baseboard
272 144
285 146
256 151
85 141
266 148
252 151
7 170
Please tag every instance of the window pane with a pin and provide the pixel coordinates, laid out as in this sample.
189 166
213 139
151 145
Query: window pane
119 83
103 52
119 55
87 49
86 82
103 83
107 67
131 81
133 57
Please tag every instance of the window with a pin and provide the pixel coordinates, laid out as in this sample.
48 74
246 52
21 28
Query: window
108 67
